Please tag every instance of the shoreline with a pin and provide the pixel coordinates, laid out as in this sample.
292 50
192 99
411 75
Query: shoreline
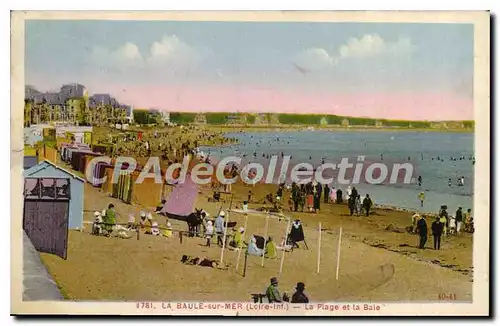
295 128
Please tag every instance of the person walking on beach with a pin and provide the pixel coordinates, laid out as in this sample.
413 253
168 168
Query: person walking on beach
219 227
467 220
109 219
340 200
209 231
443 214
422 232
459 219
310 196
358 205
421 197
351 202
437 231
348 192
295 196
449 182
302 199
367 204
317 196
326 191
333 194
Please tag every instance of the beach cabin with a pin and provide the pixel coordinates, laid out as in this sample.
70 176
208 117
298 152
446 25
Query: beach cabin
38 177
29 161
80 134
34 134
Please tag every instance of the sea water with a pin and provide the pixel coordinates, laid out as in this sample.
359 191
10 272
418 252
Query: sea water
434 155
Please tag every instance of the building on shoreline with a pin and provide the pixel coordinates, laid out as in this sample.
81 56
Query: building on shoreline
200 119
72 104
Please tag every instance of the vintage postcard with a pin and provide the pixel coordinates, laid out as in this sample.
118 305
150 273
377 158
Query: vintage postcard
250 163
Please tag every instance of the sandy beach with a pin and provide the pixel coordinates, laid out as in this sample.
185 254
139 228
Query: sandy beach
100 268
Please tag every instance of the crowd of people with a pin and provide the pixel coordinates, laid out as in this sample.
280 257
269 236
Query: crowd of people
171 145
443 225
308 197
105 224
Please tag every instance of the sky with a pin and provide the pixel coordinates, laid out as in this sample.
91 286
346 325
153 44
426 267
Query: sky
416 71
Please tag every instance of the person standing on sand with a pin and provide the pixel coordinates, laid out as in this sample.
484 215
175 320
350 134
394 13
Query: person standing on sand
358 205
302 199
422 232
310 196
333 194
354 192
340 200
326 191
351 203
459 219
295 196
110 219
219 227
317 196
209 232
437 231
367 204
421 197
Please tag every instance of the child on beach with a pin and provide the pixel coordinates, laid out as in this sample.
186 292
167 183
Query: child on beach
333 193
209 231
131 222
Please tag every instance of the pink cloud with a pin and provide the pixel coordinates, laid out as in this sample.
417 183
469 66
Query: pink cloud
439 105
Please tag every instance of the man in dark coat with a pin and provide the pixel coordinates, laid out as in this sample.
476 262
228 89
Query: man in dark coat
326 191
367 203
459 219
351 202
295 196
437 231
422 232
317 199
354 193
299 296
340 200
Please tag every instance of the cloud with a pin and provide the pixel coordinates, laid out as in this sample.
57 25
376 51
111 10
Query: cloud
369 45
168 53
126 56
314 59
171 51
374 45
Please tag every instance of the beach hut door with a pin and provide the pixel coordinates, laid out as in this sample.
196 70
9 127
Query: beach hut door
46 215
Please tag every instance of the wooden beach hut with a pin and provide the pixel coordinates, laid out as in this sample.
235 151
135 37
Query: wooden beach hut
53 203
47 169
